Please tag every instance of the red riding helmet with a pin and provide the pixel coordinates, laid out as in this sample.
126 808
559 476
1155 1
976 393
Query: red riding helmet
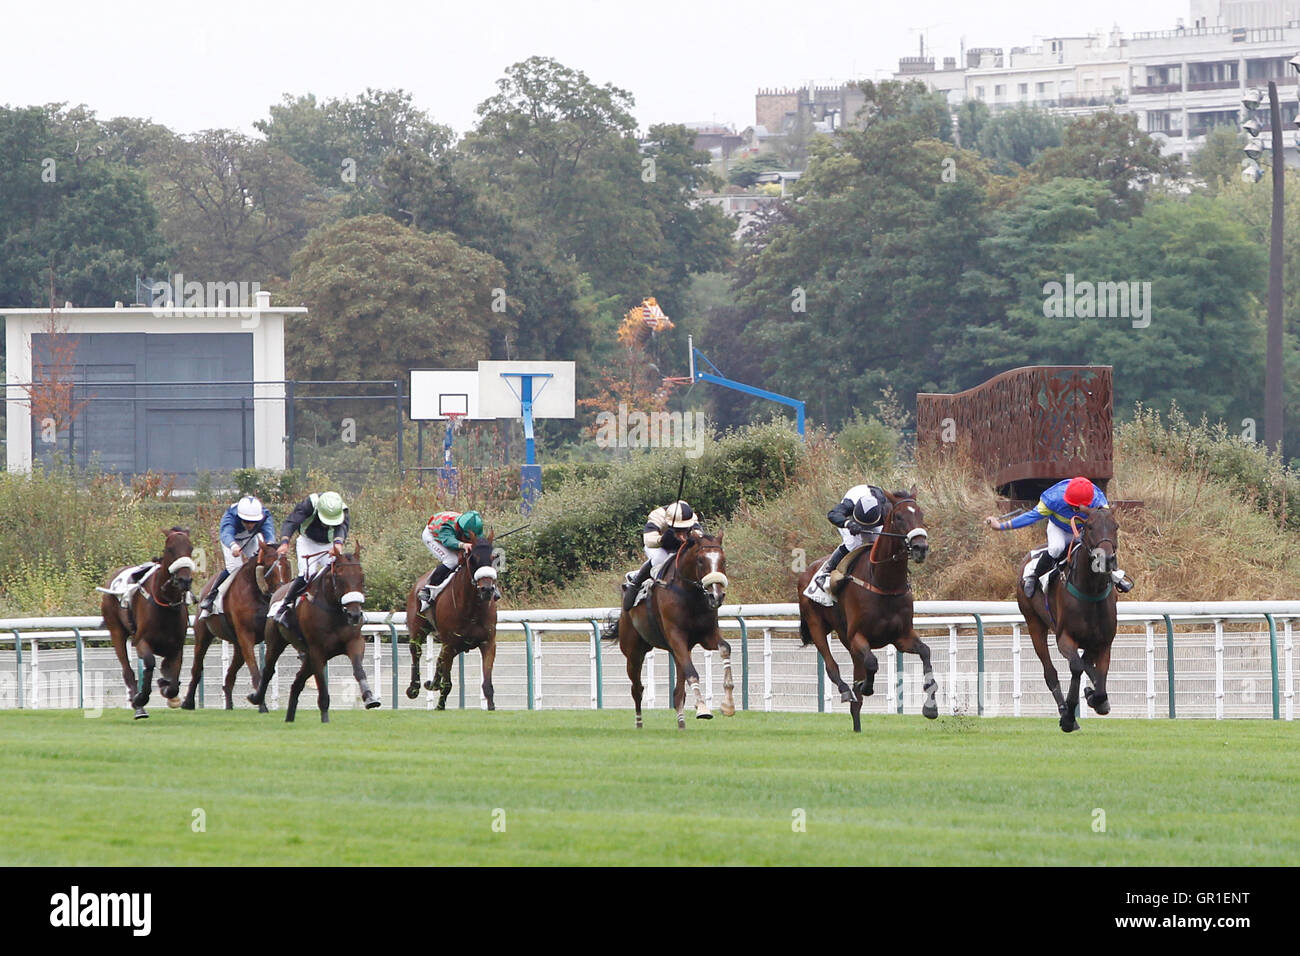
1079 492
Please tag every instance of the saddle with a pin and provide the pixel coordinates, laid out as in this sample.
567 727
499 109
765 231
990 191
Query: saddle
124 586
841 573
1045 578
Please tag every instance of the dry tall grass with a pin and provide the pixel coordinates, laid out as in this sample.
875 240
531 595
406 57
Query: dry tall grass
1193 538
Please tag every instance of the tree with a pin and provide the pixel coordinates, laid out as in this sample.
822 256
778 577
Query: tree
1018 136
972 117
344 144
1109 147
65 206
233 208
384 299
1219 161
745 171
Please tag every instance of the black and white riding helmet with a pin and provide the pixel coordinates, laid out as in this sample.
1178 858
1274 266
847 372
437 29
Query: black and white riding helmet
867 511
679 515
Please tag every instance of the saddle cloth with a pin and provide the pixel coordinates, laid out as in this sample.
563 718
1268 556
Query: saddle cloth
218 606
122 587
644 592
1043 579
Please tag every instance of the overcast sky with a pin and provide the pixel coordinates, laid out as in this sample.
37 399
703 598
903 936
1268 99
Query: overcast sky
200 66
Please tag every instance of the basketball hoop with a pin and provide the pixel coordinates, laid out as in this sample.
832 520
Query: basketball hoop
455 420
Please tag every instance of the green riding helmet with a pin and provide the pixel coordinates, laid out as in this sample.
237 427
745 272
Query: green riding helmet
470 521
329 508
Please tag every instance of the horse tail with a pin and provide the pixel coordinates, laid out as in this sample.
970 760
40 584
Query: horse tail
804 634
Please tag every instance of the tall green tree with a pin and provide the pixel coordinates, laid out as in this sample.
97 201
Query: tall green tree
67 208
1016 137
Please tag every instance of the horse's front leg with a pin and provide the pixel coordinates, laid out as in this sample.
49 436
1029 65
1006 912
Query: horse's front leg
356 654
1070 649
812 622
679 647
169 681
275 645
1038 635
488 652
634 649
442 675
416 644
912 644
146 655
202 638
1096 694
228 688
728 683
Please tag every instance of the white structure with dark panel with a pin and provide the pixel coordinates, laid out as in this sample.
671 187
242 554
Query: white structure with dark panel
175 390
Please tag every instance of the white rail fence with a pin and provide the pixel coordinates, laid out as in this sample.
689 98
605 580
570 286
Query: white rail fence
1170 659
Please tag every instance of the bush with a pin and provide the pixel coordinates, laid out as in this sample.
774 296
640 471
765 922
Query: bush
867 445
1213 452
589 522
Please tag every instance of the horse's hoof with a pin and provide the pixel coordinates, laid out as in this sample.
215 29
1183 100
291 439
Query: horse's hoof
230 705
263 709
441 707
374 702
141 715
429 685
728 710
324 716
251 698
492 706
704 715
1070 725
930 711
413 691
187 703
846 697
139 700
173 702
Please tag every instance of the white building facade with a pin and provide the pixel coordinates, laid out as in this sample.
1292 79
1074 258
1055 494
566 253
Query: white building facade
181 390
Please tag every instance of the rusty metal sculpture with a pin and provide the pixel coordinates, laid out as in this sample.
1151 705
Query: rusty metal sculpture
1027 428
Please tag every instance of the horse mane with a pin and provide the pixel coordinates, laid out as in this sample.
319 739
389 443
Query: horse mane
174 528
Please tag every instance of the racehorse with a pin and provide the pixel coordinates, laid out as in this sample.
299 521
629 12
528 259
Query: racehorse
462 617
681 613
1081 611
325 624
155 620
242 620
876 611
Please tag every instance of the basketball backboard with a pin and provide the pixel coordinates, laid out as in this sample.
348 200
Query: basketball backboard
500 391
437 393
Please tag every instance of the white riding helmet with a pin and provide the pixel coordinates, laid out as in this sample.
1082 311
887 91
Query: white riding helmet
249 509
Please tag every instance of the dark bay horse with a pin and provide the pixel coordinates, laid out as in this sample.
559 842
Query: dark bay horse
325 624
874 606
242 620
680 613
156 620
462 617
1081 610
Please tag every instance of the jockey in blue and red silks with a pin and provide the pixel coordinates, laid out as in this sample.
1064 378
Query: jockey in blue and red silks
1059 504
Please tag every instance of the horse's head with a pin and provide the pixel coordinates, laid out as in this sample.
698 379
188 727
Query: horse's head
272 567
1098 532
348 583
702 562
905 519
177 559
479 561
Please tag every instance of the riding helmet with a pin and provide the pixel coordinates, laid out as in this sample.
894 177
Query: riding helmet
1079 492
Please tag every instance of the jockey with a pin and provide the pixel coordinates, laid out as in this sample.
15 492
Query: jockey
1058 504
666 530
446 535
321 521
241 526
859 516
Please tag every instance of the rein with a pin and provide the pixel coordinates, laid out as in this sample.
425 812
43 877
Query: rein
1075 543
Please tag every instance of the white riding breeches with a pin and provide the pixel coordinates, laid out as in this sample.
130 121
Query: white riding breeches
312 556
1057 540
233 562
852 541
658 557
449 559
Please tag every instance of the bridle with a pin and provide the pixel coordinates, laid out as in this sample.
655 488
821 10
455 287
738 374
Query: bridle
173 580
1077 542
703 583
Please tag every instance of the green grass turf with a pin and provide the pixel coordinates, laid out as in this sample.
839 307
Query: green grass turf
411 787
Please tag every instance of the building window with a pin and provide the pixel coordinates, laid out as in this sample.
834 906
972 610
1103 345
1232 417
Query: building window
1023 90
999 90
979 92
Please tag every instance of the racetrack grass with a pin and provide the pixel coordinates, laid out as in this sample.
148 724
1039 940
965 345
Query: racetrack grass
581 787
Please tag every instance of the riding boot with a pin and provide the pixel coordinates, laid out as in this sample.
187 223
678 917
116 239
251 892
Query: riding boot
206 603
1044 562
296 587
426 593
633 588
1123 583
824 575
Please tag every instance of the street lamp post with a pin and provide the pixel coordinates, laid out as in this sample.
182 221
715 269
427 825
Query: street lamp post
1273 355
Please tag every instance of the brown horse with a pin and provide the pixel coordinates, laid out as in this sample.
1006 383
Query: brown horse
155 620
242 620
874 612
463 617
1081 609
681 613
326 624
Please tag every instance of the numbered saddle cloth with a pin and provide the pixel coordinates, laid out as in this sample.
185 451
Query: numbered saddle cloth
1044 578
122 587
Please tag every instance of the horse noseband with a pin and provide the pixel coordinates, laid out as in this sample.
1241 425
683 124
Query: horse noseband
712 578
353 597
